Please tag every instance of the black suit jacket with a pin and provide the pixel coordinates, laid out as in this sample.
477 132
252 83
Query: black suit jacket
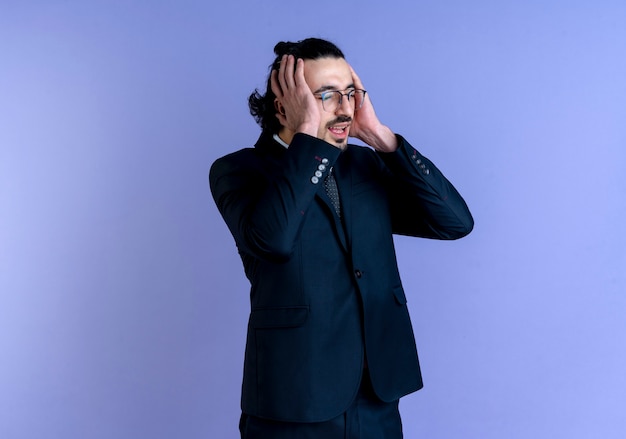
325 292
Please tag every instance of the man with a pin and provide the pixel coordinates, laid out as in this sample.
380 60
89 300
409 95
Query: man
330 347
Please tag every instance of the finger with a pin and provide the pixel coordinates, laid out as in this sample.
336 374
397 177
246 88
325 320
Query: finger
356 79
299 75
358 84
281 73
289 71
278 92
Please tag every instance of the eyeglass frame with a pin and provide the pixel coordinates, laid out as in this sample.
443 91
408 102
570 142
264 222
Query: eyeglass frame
320 96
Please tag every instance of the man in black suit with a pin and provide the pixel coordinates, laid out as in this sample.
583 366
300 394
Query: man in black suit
330 347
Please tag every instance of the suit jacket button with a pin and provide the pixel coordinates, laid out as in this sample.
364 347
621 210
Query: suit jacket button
358 274
315 180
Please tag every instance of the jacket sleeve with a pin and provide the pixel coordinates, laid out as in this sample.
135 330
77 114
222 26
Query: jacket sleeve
264 203
422 201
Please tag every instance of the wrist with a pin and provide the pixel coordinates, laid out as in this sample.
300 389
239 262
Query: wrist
308 128
383 139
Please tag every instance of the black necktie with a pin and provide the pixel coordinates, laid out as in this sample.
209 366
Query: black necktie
330 184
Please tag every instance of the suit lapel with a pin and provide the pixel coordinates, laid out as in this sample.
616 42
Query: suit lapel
329 209
275 152
343 175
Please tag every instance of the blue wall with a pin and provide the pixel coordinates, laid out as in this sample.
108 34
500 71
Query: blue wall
123 304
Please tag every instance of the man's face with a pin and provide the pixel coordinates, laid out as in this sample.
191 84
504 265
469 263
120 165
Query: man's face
325 74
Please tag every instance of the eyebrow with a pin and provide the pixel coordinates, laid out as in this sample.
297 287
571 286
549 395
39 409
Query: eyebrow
324 88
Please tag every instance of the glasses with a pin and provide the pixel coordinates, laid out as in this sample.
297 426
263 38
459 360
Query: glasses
332 99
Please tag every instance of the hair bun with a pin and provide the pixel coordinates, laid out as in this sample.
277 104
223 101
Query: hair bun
284 48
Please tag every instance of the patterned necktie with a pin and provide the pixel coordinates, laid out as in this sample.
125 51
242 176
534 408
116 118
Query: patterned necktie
330 184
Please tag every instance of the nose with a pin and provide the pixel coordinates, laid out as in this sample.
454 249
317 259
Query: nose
345 106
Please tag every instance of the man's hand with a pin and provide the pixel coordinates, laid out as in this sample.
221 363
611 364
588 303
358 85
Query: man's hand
297 109
366 126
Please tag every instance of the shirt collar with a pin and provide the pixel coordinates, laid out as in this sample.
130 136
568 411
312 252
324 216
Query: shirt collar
281 141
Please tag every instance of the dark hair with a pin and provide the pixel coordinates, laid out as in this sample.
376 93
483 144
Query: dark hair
262 106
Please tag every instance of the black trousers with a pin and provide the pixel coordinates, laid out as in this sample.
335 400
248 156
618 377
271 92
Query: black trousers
367 418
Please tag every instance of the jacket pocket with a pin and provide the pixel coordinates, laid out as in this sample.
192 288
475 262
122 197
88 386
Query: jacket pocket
280 317
398 293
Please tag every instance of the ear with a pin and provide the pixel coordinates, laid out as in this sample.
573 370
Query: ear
279 107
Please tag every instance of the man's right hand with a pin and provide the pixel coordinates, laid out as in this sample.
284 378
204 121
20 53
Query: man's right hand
297 108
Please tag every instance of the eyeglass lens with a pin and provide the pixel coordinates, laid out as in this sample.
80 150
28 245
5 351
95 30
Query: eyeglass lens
331 100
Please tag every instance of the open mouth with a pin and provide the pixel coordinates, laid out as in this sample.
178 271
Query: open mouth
339 130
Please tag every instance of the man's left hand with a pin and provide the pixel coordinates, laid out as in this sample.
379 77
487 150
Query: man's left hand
366 126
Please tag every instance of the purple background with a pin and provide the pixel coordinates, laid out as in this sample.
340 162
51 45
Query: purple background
123 304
